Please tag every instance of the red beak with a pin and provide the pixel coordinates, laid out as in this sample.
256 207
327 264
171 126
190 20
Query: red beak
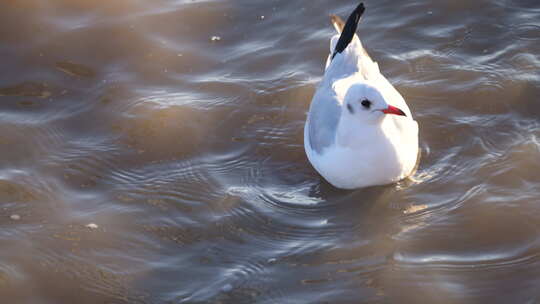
393 110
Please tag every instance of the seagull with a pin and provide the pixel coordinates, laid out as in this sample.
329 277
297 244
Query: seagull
359 131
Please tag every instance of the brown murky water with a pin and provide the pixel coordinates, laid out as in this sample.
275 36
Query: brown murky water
186 152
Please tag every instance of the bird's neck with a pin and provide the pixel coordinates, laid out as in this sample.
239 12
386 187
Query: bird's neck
351 133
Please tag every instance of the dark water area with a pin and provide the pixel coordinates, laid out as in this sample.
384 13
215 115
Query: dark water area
152 152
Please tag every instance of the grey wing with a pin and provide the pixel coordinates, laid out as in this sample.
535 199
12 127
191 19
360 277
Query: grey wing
324 115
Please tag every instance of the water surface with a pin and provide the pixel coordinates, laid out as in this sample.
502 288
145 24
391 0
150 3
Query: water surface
187 153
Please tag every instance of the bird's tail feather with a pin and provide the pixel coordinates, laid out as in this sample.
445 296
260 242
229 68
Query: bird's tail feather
338 23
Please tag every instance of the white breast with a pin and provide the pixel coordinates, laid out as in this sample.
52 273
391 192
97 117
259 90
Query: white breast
384 155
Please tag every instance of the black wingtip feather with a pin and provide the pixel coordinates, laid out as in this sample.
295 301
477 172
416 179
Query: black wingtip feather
349 30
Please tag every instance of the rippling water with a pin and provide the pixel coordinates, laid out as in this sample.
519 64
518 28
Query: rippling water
187 153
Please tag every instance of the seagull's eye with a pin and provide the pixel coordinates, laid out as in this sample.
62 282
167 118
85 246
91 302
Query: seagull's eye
366 103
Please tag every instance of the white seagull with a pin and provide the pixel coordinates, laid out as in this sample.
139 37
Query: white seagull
359 131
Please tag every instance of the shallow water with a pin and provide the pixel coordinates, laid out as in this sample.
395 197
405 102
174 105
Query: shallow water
187 154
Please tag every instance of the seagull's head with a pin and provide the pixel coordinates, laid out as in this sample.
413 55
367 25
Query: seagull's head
365 103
